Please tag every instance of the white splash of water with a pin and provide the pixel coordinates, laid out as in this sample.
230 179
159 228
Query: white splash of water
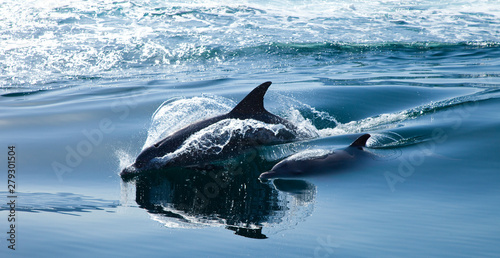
214 138
174 114
382 121
125 158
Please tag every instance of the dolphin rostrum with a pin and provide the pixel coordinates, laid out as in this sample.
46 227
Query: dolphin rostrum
314 161
251 107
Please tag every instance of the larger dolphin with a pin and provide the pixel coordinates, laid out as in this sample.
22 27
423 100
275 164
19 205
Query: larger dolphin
251 107
311 162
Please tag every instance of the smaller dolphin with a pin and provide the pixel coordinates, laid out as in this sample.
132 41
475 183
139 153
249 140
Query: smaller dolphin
314 161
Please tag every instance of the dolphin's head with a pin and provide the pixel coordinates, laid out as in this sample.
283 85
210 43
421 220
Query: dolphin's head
146 159
134 168
144 162
308 162
299 164
286 168
129 172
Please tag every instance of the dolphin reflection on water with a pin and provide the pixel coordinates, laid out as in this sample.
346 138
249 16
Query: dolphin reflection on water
232 198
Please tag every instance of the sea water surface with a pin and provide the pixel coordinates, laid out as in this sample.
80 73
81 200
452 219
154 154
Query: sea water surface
86 85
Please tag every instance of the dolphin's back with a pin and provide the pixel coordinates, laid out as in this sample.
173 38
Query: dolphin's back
251 107
172 142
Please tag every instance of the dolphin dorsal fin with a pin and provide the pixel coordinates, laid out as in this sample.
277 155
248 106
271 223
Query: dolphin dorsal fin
253 103
361 141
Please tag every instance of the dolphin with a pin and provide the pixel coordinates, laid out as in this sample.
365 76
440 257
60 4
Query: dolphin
251 107
313 161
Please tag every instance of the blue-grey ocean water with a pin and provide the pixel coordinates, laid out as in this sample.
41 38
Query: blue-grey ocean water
86 85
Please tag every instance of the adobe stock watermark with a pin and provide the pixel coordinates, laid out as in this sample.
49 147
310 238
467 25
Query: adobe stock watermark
408 165
92 138
325 248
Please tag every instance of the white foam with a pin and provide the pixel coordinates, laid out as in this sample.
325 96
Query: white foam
51 40
379 122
